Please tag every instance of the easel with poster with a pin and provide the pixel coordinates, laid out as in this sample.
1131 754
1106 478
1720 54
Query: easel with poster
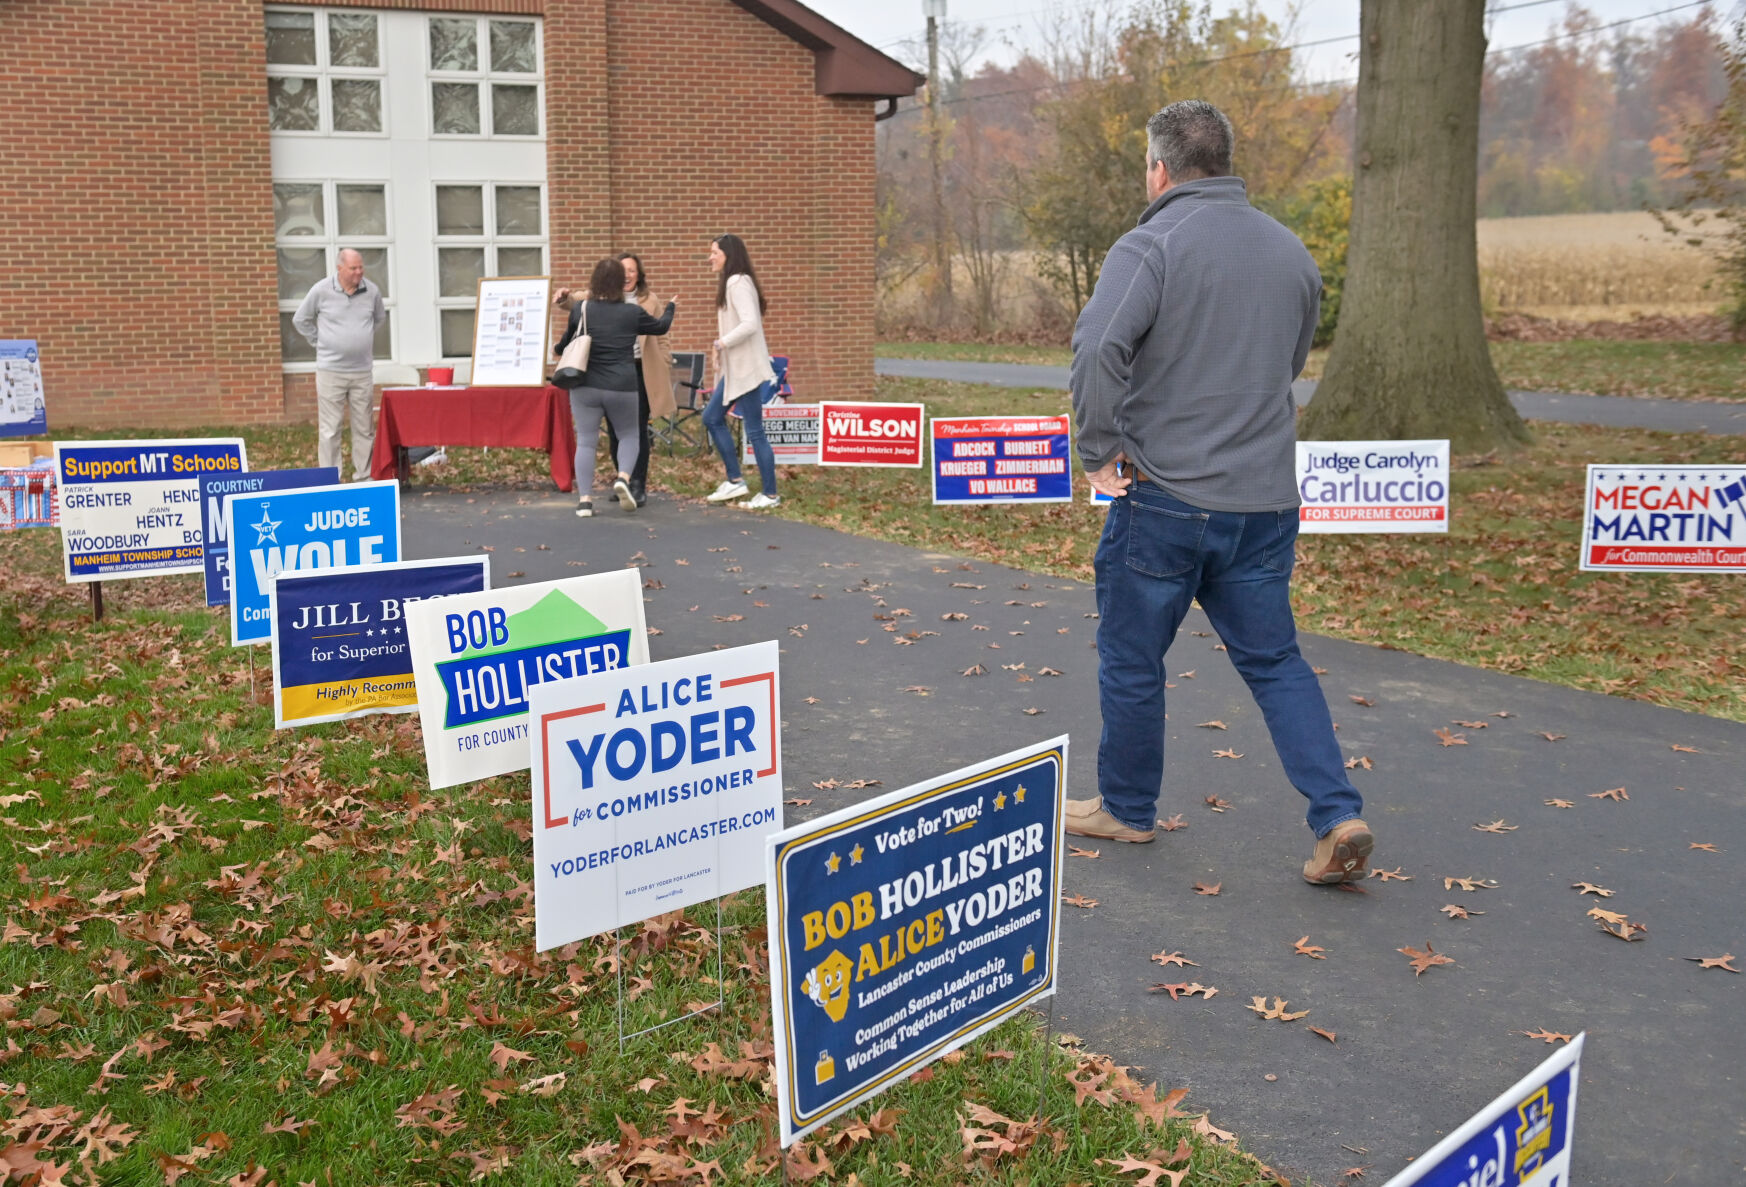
511 332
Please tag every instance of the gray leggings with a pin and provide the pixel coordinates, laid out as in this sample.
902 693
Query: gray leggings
587 406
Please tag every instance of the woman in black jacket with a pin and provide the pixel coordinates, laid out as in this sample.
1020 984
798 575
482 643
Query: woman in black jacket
608 387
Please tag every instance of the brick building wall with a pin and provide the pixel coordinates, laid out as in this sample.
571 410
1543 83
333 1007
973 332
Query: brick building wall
138 241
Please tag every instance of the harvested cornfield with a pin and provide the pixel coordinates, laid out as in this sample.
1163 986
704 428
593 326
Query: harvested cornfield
1592 267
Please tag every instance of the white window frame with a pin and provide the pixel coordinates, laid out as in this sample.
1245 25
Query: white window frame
325 73
490 241
331 240
485 76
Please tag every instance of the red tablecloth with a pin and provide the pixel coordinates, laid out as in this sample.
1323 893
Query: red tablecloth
509 417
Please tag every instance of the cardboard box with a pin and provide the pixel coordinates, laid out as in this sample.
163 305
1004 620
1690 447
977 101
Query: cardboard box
18 454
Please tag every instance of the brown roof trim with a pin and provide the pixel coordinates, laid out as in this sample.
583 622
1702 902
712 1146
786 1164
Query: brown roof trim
844 65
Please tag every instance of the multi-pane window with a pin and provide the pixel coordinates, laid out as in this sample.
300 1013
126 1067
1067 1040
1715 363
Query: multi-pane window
311 221
482 230
324 72
484 76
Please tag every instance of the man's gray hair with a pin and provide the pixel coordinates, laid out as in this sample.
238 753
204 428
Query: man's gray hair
343 252
1193 139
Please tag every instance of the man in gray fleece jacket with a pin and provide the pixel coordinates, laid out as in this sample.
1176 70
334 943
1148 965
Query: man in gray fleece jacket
339 316
1182 368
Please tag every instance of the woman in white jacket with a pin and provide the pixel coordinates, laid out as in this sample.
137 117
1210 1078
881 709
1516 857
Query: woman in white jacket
742 363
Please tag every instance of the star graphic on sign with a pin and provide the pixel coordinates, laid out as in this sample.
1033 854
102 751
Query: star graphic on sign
266 527
1000 801
855 855
1018 796
832 862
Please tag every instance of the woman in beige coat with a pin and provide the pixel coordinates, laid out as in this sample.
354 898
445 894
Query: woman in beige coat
744 372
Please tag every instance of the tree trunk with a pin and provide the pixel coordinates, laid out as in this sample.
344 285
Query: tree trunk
1409 358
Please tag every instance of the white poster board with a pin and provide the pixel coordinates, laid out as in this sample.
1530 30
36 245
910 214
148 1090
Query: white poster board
654 787
510 331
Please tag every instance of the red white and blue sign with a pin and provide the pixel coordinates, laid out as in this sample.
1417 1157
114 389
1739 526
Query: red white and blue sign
1521 1139
216 489
903 927
23 412
1665 519
1002 459
1373 486
322 527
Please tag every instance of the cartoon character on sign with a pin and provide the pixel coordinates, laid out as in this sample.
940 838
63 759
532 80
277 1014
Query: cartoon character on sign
828 985
1534 1134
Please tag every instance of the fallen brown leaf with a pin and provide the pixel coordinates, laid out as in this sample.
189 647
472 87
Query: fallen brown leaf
1496 826
1360 760
1590 888
1470 884
1226 754
1304 948
1626 930
1326 1034
1203 888
1685 749
1706 846
1427 959
1715 962
1612 793
1557 803
1545 1036
1076 851
1173 823
1168 957
1365 701
1216 804
1455 911
1079 900
1276 1011
1551 737
1444 737
1211 725
1393 875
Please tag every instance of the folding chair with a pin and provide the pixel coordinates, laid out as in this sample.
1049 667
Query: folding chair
781 390
687 396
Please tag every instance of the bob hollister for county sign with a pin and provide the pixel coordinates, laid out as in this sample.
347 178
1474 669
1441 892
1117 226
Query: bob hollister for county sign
475 657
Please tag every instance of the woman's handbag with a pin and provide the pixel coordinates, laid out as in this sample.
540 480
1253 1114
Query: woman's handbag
574 361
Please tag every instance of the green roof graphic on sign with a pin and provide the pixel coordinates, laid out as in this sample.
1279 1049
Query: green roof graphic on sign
554 617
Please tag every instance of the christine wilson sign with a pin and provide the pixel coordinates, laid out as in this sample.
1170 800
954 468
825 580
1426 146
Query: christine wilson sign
1001 459
477 657
213 493
1665 519
1521 1139
323 527
902 928
1373 486
654 787
339 635
132 508
870 434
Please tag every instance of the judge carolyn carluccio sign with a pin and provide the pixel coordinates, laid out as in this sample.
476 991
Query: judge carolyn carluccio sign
902 928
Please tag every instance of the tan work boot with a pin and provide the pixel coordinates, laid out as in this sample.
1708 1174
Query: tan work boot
1341 856
1086 818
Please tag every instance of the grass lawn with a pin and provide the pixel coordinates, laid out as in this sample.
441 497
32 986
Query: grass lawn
1673 370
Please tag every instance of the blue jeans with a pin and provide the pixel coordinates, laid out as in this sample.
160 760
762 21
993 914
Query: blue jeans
751 409
1159 554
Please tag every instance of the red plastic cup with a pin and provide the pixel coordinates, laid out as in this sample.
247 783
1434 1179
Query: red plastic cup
442 376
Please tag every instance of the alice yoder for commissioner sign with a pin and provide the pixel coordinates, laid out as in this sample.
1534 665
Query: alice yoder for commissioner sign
903 927
1665 519
1373 486
654 787
132 508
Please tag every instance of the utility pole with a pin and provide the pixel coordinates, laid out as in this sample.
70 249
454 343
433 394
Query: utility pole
943 303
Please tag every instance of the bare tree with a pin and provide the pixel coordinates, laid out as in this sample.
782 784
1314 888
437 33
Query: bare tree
1410 357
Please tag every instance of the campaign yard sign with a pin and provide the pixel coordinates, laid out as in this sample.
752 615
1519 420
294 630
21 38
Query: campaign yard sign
213 493
476 657
1001 459
903 927
792 430
1521 1139
132 508
654 787
1373 486
339 635
322 527
1665 519
23 412
870 434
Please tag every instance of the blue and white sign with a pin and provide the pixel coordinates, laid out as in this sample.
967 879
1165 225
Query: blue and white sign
323 527
902 928
654 787
23 412
214 491
132 508
1521 1139
339 635
1373 486
478 657
1002 459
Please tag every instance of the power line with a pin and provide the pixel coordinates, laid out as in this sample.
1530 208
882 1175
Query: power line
1279 49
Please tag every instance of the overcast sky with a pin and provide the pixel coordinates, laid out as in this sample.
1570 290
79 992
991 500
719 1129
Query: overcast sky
1012 24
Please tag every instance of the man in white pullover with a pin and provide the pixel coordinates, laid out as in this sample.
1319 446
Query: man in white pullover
339 317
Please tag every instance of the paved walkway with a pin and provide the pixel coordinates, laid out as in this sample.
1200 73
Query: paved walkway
1629 412
1662 1083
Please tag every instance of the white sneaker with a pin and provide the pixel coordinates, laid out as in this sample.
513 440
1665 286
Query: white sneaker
761 501
730 489
585 509
622 489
